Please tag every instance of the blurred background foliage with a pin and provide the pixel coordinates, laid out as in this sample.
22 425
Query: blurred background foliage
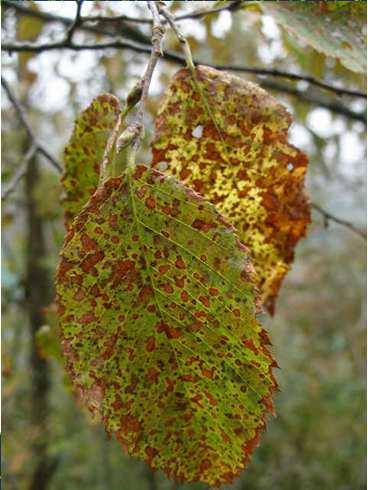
318 332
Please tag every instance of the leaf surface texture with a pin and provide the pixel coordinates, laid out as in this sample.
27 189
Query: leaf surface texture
227 138
84 153
336 29
157 312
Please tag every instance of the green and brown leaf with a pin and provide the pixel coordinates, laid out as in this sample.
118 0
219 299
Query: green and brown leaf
227 138
157 313
84 153
333 28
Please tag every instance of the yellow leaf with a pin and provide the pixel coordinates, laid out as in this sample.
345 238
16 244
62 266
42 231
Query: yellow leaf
227 138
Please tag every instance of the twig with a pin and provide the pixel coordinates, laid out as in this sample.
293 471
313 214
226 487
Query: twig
158 32
172 56
181 38
330 217
315 99
108 29
131 137
20 173
76 23
20 112
292 76
197 14
143 48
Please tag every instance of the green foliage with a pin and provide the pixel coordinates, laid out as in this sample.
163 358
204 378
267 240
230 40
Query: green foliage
227 138
333 28
84 153
157 313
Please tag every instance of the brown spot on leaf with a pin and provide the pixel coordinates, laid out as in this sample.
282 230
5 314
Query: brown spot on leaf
151 452
145 293
179 263
205 301
150 202
129 424
139 171
163 268
87 318
153 375
150 344
184 296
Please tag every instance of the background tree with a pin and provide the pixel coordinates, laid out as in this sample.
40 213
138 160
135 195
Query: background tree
57 56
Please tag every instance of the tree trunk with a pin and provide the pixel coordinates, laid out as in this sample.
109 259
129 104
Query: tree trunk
38 295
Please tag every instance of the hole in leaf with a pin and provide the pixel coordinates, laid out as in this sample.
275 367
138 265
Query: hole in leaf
197 132
162 166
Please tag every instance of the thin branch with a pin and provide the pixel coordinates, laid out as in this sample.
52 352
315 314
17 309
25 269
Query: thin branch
197 14
77 21
305 95
164 11
39 48
292 76
327 216
158 32
21 115
131 137
143 48
333 106
20 173
109 30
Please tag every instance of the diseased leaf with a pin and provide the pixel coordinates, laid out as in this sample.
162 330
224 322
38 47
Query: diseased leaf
84 153
157 313
337 29
227 138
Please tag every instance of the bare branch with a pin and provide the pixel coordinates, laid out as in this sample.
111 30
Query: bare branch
39 48
131 137
107 29
158 32
76 23
145 48
21 115
327 216
333 106
20 173
181 38
197 14
292 76
305 95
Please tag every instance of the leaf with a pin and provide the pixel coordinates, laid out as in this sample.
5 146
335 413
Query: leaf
157 314
84 152
333 28
227 138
